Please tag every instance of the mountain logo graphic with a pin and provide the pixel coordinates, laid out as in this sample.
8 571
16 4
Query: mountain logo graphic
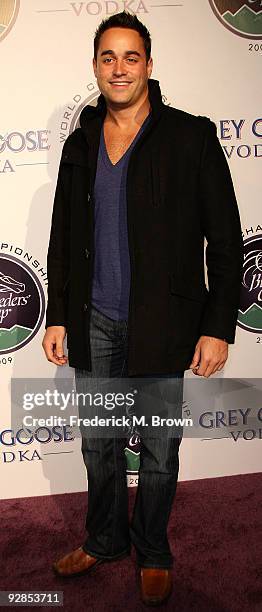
8 14
242 17
250 311
22 304
132 453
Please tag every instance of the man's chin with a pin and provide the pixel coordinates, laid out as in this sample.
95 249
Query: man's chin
118 101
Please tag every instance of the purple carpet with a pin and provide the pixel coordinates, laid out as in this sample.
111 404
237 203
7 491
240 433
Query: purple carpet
215 534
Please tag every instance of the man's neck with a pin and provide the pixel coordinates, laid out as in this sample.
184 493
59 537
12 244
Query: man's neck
124 118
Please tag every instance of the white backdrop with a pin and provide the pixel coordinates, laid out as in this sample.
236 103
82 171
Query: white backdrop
46 50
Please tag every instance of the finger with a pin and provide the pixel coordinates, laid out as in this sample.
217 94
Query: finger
50 354
61 360
211 369
57 361
204 363
48 348
59 352
196 358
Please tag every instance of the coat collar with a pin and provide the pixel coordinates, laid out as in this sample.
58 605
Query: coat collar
92 117
99 111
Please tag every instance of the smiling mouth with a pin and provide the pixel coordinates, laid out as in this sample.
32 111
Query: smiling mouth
119 83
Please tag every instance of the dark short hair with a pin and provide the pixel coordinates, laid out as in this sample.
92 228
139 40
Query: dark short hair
123 20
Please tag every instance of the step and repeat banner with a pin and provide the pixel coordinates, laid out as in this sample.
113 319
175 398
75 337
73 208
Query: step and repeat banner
207 57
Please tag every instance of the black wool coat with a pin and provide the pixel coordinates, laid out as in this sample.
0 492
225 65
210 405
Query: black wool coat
179 192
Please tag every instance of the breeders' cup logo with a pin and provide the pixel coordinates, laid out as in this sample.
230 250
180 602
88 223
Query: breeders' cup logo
250 312
8 14
22 304
243 17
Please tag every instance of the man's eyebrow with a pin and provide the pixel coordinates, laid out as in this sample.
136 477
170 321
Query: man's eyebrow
111 52
133 53
107 52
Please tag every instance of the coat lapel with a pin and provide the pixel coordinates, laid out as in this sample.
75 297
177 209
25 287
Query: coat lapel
92 118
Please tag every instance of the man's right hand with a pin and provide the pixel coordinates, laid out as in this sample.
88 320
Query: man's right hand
53 344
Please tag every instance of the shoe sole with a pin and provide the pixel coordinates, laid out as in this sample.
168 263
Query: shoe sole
75 574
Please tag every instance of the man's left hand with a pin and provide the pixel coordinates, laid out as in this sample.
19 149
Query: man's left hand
210 356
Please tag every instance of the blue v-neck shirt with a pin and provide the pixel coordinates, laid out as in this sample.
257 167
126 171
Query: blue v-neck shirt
111 280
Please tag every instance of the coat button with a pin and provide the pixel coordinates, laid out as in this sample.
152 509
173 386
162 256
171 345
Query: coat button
87 253
85 307
89 197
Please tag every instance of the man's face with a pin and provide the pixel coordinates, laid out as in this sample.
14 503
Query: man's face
121 69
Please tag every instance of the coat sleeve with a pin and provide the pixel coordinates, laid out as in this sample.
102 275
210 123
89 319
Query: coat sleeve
222 229
58 249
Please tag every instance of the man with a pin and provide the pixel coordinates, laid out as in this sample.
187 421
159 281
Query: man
140 186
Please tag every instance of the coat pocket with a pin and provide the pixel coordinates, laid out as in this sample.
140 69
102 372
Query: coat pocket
187 304
181 286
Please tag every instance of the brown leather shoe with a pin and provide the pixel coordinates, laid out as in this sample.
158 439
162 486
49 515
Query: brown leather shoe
156 585
75 563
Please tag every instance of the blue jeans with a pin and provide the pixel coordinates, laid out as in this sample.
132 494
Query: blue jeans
109 533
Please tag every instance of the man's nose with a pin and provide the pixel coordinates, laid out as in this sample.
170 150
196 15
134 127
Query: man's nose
119 67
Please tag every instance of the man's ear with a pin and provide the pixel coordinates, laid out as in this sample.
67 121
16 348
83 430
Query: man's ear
149 67
95 66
